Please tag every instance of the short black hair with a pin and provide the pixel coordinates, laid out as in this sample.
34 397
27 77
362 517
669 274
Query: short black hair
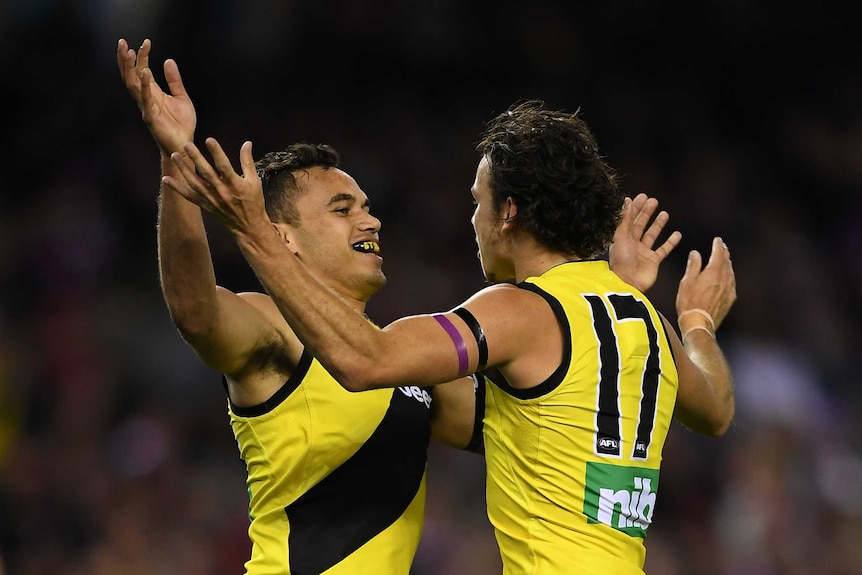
277 173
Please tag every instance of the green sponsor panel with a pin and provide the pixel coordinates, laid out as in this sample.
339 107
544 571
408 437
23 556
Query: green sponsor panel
621 497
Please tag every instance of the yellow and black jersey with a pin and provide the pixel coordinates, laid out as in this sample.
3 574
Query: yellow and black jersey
336 479
573 463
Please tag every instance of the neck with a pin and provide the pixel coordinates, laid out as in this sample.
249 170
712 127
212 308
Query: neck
531 258
538 266
350 297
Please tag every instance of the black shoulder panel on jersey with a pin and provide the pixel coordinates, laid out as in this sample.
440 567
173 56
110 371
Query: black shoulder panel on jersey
365 494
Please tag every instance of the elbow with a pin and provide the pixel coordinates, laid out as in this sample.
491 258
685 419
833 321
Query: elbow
710 423
717 430
723 425
718 426
356 376
191 326
353 384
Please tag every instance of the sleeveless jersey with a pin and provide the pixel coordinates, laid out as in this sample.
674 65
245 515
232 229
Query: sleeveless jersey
336 479
573 463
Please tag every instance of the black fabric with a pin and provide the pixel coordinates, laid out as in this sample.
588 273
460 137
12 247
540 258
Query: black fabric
478 333
477 440
364 495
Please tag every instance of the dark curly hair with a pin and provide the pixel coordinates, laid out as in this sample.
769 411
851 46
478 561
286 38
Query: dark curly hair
277 173
548 162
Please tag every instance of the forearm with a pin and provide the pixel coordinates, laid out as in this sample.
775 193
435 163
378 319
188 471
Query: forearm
337 335
717 404
185 263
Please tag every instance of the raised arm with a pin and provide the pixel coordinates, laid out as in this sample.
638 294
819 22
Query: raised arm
705 402
415 350
633 255
221 327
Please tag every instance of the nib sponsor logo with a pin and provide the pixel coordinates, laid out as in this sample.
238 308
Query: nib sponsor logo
621 497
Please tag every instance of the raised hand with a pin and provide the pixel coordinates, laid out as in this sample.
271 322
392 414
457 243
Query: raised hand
706 294
236 200
633 256
170 117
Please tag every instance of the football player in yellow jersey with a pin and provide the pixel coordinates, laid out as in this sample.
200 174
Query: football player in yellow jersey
309 445
583 374
336 480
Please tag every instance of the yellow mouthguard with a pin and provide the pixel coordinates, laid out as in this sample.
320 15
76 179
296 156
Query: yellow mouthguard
367 247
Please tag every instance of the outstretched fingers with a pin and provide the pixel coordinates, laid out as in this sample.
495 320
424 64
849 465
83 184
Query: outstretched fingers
123 54
642 209
182 187
192 186
126 63
223 166
195 164
639 220
669 244
711 288
631 208
143 60
173 78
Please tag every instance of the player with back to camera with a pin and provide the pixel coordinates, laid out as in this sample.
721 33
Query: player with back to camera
336 479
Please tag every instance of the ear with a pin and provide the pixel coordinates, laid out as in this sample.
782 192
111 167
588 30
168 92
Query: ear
509 211
285 232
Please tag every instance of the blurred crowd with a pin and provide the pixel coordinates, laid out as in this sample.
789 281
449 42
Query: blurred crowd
744 119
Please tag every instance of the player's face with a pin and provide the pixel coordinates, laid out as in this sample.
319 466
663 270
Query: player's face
337 237
487 224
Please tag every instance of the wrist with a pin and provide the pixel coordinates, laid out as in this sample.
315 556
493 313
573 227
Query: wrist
260 237
695 319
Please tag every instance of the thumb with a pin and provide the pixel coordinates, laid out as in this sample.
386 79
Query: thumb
692 266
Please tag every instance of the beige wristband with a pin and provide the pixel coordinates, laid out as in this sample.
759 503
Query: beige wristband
685 323
695 328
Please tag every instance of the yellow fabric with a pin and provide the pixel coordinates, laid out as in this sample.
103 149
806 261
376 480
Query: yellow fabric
304 446
554 500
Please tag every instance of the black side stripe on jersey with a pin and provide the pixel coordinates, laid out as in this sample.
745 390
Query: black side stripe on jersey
365 494
283 392
477 440
556 378
608 432
478 333
627 307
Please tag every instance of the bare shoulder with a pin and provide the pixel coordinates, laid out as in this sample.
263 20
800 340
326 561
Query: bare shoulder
524 336
506 297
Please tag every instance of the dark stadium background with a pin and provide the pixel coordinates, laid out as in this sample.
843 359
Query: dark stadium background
743 118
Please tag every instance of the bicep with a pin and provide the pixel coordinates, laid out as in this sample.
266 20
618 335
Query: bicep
438 348
242 328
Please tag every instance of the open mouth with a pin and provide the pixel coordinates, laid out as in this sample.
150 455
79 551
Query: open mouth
367 247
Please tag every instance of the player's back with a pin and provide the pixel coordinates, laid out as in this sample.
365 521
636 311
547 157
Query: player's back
573 464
